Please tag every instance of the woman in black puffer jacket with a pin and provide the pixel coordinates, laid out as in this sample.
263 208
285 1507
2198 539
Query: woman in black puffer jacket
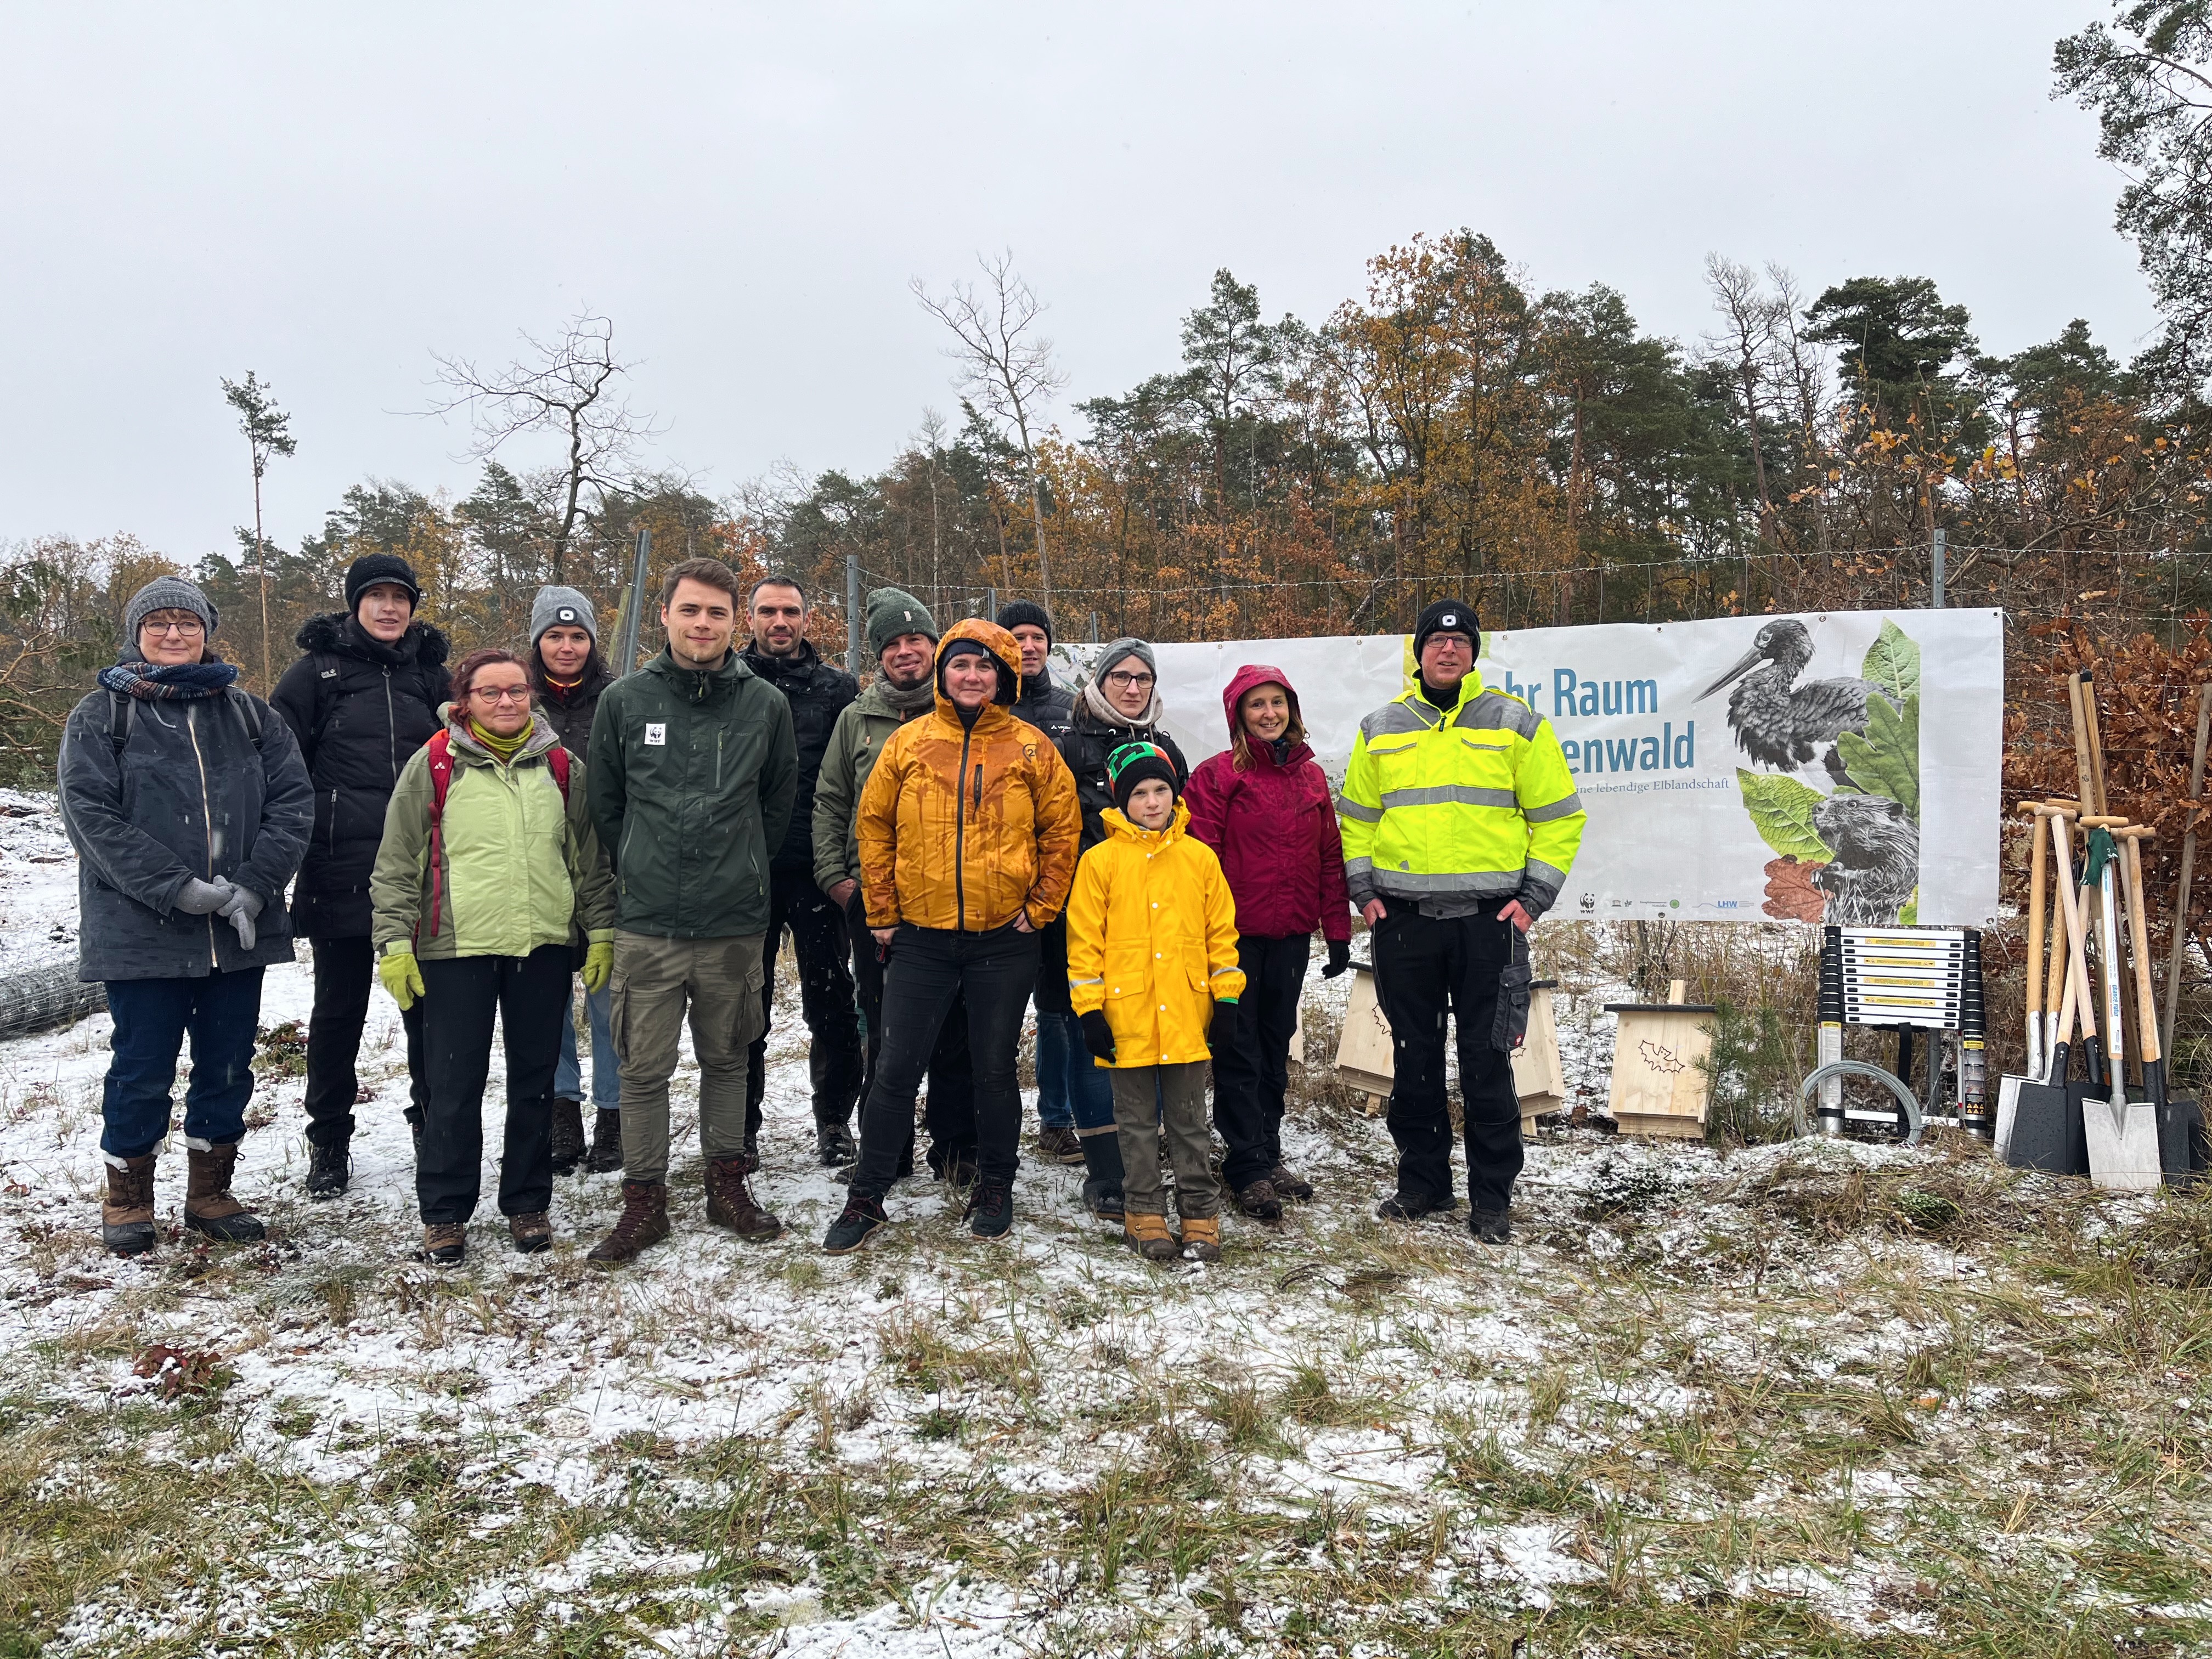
362 700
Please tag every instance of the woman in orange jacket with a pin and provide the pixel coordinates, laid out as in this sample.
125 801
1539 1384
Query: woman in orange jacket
967 832
1152 963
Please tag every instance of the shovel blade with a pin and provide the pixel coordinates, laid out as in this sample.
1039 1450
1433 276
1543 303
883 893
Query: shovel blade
2181 1142
2008 1090
2122 1144
2046 1129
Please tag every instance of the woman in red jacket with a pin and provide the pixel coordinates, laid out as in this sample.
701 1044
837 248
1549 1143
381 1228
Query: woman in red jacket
1263 805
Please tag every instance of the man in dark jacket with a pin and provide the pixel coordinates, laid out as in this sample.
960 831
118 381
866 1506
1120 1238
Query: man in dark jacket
188 809
782 654
364 698
693 774
1059 1042
568 674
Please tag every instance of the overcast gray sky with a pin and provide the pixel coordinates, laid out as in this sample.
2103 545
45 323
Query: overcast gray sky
325 196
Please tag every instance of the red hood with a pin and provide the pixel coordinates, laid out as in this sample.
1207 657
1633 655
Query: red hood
1243 680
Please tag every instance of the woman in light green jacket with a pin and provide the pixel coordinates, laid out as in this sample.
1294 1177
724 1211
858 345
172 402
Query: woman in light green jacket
489 880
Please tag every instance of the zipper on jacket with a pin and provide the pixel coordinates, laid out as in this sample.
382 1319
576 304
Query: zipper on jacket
207 828
331 840
390 727
960 839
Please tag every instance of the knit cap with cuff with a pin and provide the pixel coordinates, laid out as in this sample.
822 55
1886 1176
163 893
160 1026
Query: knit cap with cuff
1133 763
165 593
891 612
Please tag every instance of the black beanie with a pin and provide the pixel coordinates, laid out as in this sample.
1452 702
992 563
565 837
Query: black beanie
367 571
1133 763
1448 617
965 647
1015 612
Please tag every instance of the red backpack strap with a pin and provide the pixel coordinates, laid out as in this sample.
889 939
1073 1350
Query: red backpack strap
440 751
557 759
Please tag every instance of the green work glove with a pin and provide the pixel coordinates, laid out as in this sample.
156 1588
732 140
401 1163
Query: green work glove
402 976
598 967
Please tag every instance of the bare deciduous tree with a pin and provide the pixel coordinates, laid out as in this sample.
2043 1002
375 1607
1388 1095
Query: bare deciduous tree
568 387
1006 367
268 431
1746 344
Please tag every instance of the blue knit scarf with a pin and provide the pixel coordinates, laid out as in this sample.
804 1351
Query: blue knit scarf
170 680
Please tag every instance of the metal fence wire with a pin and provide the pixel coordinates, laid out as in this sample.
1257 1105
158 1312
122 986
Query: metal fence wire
47 996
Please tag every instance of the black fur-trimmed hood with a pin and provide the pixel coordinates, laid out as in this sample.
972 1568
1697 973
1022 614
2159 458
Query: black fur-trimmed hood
422 643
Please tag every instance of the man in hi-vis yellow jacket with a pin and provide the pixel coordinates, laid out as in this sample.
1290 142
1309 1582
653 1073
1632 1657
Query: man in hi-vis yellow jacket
1461 823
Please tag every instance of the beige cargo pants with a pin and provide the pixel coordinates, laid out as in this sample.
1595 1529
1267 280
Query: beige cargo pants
655 982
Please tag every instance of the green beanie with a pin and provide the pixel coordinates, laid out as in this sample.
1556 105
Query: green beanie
893 611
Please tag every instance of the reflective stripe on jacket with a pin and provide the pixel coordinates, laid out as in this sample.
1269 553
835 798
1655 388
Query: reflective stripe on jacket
961 827
1471 804
1151 938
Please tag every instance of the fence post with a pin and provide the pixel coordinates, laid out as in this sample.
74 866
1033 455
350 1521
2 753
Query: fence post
852 613
1935 563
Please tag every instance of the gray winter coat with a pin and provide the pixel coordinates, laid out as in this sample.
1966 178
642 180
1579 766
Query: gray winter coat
193 792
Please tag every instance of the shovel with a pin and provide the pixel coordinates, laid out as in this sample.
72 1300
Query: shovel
2045 1132
2009 1086
2121 1135
2179 1123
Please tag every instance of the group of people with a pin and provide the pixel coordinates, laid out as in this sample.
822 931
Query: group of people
959 841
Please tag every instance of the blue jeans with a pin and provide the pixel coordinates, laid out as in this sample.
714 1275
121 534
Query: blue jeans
606 1067
1072 1091
152 1020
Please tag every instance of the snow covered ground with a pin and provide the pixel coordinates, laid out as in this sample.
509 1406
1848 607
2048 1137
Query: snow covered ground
1786 1399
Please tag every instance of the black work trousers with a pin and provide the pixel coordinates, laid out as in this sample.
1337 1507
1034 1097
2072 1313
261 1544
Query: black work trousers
825 1000
345 971
1427 967
932 971
948 1111
1251 1070
459 996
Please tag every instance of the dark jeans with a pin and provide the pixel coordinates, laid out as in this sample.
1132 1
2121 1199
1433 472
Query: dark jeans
152 1018
345 969
930 971
459 996
825 998
1252 1071
949 1110
1424 968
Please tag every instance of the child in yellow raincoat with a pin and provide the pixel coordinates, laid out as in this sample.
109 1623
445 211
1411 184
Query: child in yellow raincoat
1152 958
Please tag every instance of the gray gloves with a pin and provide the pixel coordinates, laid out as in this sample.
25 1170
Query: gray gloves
236 905
240 909
200 898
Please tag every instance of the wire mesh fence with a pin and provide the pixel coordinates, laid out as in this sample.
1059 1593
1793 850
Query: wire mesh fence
45 994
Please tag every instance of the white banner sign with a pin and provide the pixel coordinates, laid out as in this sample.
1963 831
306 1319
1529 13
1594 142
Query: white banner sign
1802 767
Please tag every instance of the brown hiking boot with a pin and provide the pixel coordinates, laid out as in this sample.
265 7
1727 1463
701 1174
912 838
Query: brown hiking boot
730 1201
209 1207
567 1140
1148 1235
126 1217
532 1231
1289 1187
1202 1237
1059 1144
643 1221
444 1244
1259 1200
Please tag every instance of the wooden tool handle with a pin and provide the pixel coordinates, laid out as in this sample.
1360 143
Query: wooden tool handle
2081 773
2085 999
2102 822
2096 738
2039 854
2146 1010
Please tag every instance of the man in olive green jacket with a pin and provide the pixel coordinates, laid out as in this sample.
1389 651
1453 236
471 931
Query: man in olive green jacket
693 773
903 636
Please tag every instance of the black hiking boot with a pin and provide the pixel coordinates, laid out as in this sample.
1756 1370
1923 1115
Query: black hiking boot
567 1137
606 1155
862 1216
833 1144
329 1168
1491 1226
1102 1187
1402 1205
1258 1200
991 1209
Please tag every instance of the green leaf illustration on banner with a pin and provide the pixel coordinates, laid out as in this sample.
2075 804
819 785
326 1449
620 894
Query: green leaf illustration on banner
1892 662
1885 759
1782 809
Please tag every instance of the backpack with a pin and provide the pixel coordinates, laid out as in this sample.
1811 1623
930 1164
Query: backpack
440 751
123 708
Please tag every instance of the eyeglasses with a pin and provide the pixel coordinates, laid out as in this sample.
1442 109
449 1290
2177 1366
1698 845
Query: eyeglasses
501 693
1131 682
189 626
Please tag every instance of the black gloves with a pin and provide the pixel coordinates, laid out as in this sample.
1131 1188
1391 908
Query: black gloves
1097 1034
1339 957
1223 1023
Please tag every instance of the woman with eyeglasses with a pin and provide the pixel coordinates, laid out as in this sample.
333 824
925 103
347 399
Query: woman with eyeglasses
487 881
188 809
1120 705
